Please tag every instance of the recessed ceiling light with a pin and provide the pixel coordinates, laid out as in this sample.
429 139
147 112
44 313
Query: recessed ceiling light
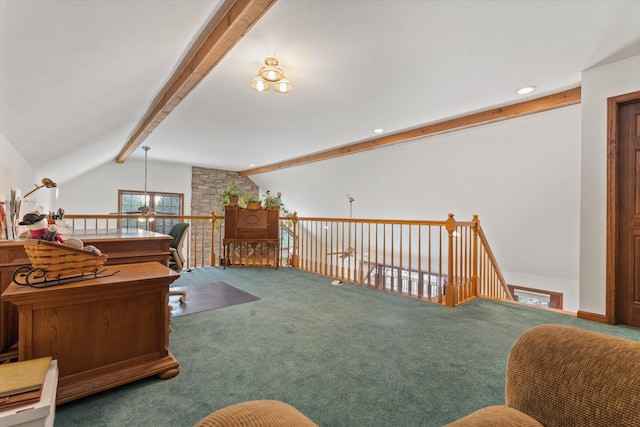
379 130
525 90
251 165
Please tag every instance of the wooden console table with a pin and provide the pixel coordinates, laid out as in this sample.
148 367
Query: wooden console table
122 248
250 228
104 332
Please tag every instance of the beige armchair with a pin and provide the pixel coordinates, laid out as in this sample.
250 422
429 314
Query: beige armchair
559 376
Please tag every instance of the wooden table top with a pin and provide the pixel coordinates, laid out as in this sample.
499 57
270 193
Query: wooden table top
101 235
98 235
146 271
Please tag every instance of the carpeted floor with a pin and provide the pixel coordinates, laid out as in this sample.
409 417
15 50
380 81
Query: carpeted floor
343 355
207 296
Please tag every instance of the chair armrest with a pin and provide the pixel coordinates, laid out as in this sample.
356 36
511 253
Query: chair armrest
496 416
270 413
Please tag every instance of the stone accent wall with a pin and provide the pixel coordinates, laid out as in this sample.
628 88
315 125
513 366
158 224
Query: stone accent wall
206 186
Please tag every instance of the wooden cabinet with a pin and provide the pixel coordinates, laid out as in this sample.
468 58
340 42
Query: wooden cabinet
251 237
242 223
122 248
12 256
103 332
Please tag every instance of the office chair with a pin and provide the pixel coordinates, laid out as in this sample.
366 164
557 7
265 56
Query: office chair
176 259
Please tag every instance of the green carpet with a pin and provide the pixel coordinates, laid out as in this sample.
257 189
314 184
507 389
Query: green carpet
344 355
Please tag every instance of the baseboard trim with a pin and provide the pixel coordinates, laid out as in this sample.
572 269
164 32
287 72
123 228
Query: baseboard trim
594 317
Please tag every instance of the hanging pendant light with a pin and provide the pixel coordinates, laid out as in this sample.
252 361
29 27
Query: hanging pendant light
145 210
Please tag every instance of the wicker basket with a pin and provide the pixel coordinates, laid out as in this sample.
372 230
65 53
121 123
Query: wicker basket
60 261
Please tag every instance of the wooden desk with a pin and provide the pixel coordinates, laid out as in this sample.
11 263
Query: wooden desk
122 248
104 332
129 248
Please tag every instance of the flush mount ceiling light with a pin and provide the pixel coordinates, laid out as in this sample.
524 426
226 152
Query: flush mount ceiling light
269 75
525 90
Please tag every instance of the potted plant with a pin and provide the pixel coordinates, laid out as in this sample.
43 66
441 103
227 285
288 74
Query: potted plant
253 203
229 196
271 202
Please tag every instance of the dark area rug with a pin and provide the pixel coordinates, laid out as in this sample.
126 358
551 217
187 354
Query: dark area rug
208 296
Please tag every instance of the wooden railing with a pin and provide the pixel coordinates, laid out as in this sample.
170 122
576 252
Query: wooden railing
446 262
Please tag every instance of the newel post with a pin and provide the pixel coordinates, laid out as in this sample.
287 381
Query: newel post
474 256
451 290
294 255
212 261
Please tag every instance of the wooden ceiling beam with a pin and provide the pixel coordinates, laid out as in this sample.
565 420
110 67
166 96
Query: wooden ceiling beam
550 102
222 32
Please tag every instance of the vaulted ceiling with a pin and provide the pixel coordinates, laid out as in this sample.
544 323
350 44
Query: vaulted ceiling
78 78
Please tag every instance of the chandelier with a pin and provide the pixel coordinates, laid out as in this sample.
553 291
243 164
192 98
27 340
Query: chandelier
270 75
145 210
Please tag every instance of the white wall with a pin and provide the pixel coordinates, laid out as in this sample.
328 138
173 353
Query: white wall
96 191
598 84
521 176
15 171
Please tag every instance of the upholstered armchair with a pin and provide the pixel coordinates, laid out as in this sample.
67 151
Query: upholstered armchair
559 376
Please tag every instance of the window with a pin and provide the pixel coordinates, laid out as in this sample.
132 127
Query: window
129 202
537 297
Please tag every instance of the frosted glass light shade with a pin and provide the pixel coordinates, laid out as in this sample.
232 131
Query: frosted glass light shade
271 72
283 86
260 85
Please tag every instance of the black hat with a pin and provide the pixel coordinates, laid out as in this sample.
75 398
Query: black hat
31 218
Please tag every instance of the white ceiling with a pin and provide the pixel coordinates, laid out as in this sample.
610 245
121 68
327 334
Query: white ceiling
76 77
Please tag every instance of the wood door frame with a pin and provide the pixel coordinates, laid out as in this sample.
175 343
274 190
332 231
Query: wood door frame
613 107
